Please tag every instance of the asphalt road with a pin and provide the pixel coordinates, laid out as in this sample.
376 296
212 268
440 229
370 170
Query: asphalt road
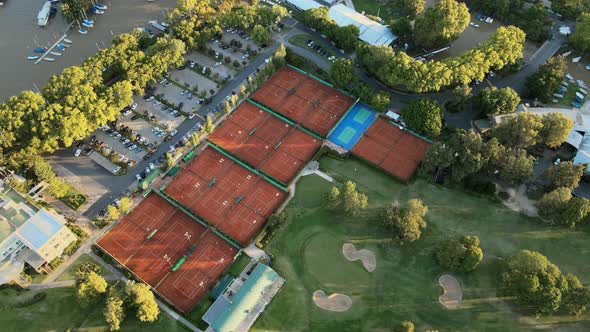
117 185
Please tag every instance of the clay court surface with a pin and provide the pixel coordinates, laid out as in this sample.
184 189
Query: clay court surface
266 142
304 100
225 194
396 151
151 257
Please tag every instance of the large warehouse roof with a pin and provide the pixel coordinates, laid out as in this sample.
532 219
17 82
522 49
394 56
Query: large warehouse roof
371 32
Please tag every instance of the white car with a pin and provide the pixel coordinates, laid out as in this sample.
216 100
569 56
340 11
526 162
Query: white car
116 169
152 167
127 112
174 132
147 170
150 98
133 106
157 103
138 177
191 116
183 92
77 153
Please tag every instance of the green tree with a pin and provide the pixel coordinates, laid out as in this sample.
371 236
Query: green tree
556 129
553 203
43 170
402 27
209 126
242 90
577 297
547 79
513 165
441 24
520 130
72 9
406 224
227 107
570 8
405 326
575 212
380 101
125 204
535 21
169 160
90 288
494 101
534 280
423 116
260 34
113 213
333 195
142 298
59 188
342 72
580 38
564 175
195 139
462 254
410 7
353 200
114 311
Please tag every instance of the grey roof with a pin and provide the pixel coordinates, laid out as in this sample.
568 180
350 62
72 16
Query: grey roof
372 32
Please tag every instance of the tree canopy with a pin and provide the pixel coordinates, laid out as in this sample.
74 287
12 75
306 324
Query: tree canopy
342 72
441 24
494 101
461 254
260 34
405 223
89 287
564 175
424 116
547 79
142 298
352 200
580 38
536 282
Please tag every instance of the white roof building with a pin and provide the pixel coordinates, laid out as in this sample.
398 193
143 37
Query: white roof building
371 32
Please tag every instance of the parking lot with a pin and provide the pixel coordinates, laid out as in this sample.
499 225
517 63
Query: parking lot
141 128
116 144
174 95
203 86
222 70
238 55
163 119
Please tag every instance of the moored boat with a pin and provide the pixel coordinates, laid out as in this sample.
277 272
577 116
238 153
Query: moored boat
33 57
49 59
55 53
40 50
67 41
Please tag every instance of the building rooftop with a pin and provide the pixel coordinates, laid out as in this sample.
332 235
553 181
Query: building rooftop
244 301
39 229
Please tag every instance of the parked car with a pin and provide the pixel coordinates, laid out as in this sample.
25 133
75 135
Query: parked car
77 153
133 106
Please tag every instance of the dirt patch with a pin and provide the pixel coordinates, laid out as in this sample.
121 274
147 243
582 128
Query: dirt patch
517 200
335 302
452 295
367 257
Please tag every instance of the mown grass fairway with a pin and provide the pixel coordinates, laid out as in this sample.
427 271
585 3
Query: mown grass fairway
59 311
308 252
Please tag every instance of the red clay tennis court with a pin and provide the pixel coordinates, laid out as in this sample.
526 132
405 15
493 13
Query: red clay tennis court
304 100
265 142
231 197
152 238
396 151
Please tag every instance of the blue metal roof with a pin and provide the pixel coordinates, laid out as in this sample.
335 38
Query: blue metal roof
40 228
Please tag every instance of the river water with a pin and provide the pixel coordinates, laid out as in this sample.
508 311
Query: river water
20 34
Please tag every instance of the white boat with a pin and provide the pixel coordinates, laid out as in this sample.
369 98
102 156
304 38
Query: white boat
566 54
82 31
475 25
100 6
583 91
49 59
55 53
98 11
62 47
88 25
43 15
588 67
67 41
33 57
576 59
569 77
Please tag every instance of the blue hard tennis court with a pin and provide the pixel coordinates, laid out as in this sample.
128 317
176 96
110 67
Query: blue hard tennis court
352 126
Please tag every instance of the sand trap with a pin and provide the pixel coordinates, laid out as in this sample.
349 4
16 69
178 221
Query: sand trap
452 295
335 302
366 256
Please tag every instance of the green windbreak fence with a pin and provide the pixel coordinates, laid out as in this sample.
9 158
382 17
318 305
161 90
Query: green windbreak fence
412 132
145 183
189 156
173 170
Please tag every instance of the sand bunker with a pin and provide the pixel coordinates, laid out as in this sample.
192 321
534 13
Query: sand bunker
335 302
452 295
366 256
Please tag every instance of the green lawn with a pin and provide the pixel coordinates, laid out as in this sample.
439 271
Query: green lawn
239 264
374 7
308 252
59 311
70 273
